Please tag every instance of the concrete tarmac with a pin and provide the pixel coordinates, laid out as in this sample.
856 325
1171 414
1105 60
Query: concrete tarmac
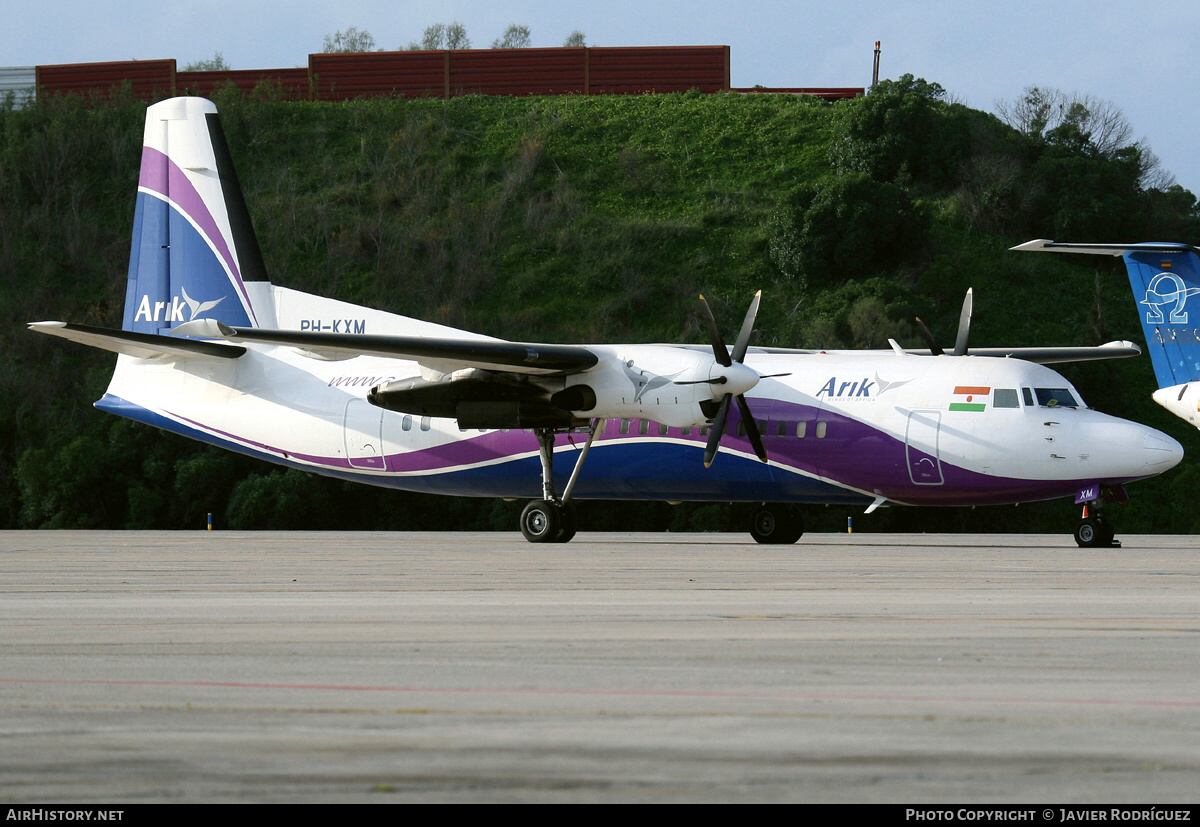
452 667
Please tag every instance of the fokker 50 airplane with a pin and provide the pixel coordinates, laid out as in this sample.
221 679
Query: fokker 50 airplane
1166 275
209 348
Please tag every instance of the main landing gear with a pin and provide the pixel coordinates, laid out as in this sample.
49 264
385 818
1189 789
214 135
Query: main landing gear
776 524
551 519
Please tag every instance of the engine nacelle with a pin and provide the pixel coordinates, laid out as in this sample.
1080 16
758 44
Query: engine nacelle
644 381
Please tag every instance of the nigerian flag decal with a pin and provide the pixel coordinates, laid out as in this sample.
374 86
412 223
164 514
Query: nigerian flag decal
970 398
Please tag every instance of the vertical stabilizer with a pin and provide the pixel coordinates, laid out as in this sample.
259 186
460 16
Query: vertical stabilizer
193 249
1166 286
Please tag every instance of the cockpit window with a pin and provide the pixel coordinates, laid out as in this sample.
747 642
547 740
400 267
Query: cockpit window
1005 398
1055 398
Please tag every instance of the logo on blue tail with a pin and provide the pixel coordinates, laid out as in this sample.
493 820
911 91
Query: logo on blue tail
1166 289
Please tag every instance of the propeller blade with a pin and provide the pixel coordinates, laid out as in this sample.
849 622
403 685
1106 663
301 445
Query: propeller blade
720 352
964 324
714 436
743 339
934 347
752 428
720 380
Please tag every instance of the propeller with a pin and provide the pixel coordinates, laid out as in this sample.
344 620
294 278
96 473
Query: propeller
736 375
964 329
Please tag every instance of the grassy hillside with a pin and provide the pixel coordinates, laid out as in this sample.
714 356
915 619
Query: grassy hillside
571 219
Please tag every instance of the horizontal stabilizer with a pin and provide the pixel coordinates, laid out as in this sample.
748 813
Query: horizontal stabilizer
138 345
1045 245
456 353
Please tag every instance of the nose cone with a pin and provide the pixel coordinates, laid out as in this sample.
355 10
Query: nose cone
1128 450
1160 451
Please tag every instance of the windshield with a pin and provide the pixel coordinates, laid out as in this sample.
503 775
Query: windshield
1055 398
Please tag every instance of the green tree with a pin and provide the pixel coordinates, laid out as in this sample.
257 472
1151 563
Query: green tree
899 130
352 39
575 39
848 227
514 37
443 36
216 63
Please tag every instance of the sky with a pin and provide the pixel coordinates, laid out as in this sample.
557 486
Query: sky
1136 55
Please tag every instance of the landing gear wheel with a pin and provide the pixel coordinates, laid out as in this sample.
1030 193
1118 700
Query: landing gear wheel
541 522
776 525
566 529
1090 532
1107 533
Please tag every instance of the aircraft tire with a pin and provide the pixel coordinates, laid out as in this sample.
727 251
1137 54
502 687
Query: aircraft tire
1107 533
1090 533
567 523
776 524
541 521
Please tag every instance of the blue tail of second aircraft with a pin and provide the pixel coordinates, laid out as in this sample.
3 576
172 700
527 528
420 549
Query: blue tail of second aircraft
1165 278
194 250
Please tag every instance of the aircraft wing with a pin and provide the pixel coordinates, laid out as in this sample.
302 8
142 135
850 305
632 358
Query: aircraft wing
1058 355
444 355
139 345
1040 355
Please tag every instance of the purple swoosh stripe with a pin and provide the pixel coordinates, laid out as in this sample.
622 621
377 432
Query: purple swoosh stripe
886 470
499 446
160 175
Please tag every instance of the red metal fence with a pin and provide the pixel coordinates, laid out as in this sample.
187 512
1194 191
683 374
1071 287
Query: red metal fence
149 79
445 74
292 82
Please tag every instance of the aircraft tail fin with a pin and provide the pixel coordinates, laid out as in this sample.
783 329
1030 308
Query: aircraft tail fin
194 250
1165 278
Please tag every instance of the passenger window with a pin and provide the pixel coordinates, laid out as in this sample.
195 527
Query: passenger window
686 430
781 429
741 428
406 423
801 428
424 423
1005 398
624 426
822 428
644 427
662 429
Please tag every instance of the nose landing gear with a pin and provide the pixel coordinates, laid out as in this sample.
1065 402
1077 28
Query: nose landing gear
1092 530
